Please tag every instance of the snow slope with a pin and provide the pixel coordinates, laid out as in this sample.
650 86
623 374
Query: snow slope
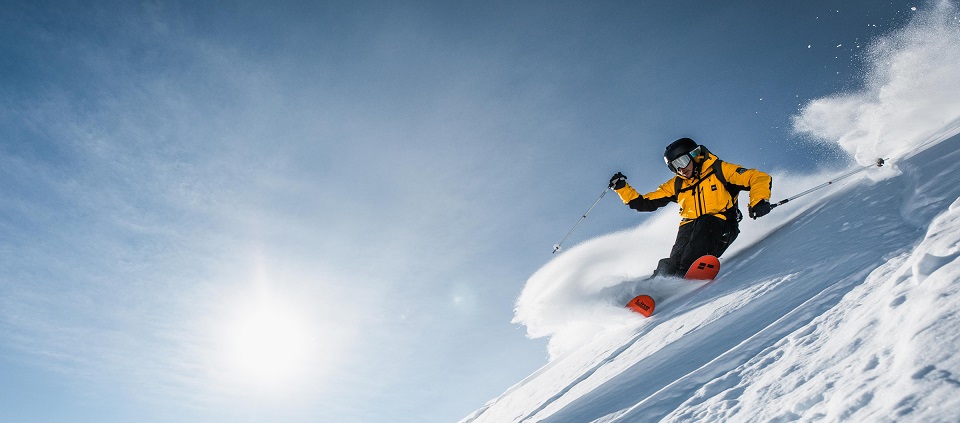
840 307
847 312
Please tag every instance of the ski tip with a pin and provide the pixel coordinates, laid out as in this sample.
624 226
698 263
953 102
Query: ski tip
704 268
642 304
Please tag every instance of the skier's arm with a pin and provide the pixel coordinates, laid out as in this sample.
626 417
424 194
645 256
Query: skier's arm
758 182
650 201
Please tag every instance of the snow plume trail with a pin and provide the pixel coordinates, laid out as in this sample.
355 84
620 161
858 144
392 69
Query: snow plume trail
583 290
910 97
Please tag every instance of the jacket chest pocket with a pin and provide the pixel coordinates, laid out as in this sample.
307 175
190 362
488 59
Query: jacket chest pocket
715 197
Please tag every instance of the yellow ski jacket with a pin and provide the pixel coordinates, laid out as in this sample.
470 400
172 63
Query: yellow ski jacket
705 193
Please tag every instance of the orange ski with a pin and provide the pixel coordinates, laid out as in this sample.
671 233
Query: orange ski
642 304
703 269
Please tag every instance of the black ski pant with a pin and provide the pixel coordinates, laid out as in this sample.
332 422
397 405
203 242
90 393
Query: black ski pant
704 235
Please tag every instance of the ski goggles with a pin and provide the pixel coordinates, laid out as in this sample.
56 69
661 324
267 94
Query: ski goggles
681 162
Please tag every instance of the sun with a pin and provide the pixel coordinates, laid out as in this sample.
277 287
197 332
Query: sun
267 344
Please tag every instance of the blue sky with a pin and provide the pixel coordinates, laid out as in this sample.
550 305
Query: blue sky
236 211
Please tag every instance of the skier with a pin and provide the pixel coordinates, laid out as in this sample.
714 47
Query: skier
707 190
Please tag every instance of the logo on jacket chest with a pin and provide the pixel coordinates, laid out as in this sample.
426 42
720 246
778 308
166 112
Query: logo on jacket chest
713 188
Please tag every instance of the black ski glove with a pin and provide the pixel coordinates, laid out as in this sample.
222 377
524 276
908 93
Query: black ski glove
618 181
760 210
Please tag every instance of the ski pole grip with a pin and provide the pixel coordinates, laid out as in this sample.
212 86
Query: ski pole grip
781 202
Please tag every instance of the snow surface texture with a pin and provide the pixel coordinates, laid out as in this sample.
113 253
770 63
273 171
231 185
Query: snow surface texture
840 307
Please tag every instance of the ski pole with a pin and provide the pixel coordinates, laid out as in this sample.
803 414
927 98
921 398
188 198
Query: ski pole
557 246
878 163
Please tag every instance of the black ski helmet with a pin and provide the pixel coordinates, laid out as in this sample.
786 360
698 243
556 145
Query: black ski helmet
676 149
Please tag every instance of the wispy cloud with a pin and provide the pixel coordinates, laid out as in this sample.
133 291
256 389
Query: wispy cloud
165 167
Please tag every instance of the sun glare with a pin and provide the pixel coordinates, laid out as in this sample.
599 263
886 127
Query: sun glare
268 345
